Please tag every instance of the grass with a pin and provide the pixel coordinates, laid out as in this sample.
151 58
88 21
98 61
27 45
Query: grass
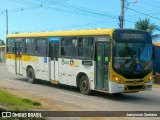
12 102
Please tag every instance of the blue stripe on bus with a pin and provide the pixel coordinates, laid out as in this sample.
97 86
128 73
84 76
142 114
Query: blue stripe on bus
54 39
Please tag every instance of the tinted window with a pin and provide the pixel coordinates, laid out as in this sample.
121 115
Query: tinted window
30 46
77 47
41 46
69 46
85 47
10 45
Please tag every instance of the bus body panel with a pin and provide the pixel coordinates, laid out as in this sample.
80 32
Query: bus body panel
39 64
70 68
54 70
10 64
148 86
115 87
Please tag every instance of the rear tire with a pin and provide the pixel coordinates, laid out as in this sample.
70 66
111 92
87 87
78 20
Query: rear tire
31 75
84 85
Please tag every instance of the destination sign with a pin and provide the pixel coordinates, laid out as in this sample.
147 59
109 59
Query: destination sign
133 36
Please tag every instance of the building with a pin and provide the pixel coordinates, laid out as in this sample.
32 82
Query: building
2 53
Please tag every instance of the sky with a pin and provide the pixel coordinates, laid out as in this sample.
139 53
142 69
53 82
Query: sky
54 15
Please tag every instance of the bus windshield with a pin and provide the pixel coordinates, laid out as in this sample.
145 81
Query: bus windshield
130 58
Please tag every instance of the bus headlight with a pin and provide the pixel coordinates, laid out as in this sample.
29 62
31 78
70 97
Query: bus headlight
149 79
118 80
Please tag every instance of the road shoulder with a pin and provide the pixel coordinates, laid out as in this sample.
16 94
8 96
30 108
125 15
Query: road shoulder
156 85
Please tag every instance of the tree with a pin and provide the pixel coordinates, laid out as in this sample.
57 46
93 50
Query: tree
2 42
144 24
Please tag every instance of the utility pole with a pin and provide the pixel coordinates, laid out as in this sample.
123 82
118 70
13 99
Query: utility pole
6 21
121 17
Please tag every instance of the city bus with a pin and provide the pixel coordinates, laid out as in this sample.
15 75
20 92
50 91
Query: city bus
105 60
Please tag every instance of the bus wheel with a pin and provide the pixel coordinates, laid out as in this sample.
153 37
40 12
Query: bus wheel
84 85
30 75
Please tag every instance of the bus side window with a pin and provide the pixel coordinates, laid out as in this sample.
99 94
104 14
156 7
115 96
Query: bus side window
30 46
77 47
85 47
10 45
63 52
41 47
69 46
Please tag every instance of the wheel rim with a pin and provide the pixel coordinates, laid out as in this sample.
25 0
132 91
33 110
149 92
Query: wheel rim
84 85
30 75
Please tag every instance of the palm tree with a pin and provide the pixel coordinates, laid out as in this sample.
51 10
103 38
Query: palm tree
144 24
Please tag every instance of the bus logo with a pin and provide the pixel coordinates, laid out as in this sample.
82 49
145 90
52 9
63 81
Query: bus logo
71 63
134 81
74 63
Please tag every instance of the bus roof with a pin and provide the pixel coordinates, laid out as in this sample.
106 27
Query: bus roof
64 33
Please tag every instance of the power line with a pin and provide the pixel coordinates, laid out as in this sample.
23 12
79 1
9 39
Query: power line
129 21
144 14
92 13
153 3
79 13
137 15
73 9
117 18
22 1
21 9
25 9
89 24
66 8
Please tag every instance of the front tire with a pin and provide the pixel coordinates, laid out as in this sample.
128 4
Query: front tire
31 75
84 85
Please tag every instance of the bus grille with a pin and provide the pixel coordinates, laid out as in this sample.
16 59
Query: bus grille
134 81
136 76
136 87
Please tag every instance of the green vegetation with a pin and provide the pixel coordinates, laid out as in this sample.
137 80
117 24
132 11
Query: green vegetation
12 102
2 42
145 24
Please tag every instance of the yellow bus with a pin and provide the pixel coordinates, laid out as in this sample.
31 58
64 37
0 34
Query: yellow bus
106 60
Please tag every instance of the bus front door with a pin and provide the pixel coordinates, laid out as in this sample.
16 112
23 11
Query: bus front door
53 53
18 58
102 65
